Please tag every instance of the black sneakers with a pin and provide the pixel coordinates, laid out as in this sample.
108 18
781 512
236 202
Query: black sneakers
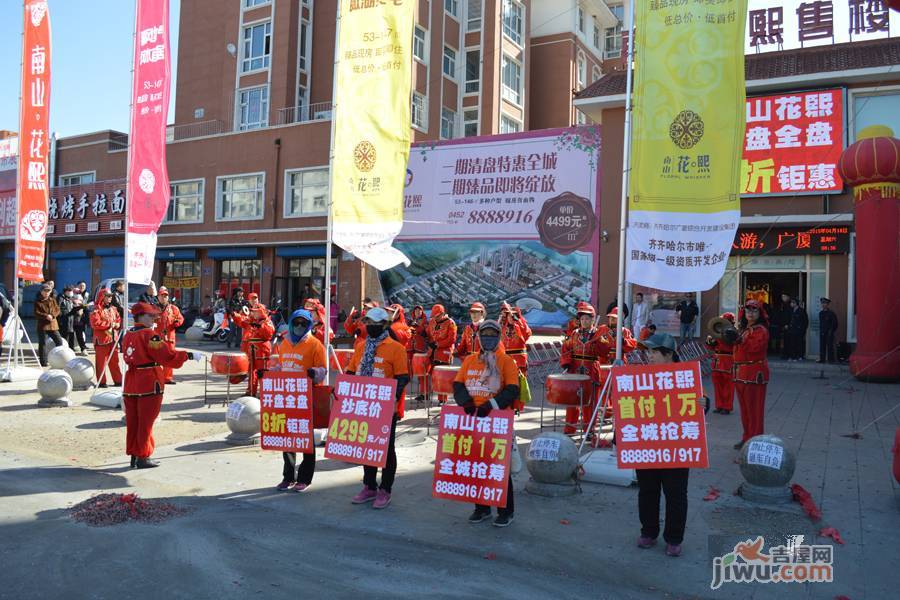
503 520
479 515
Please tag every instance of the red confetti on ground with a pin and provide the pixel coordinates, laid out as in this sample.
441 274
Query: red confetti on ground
564 522
833 534
713 494
490 556
112 509
842 598
806 502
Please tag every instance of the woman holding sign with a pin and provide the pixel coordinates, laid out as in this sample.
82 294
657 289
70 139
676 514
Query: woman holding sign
660 349
488 380
380 356
300 350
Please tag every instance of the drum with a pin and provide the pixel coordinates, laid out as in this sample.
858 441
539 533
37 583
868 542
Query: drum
321 406
229 363
419 364
343 355
442 377
563 388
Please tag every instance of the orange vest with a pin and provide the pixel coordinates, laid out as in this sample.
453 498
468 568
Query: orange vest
305 354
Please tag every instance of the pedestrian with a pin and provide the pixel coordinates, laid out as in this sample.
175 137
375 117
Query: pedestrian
828 324
640 316
150 294
673 483
170 319
6 309
118 299
147 355
46 311
468 341
615 304
488 380
383 357
235 306
66 317
299 351
687 311
798 325
441 340
722 366
584 352
751 369
80 316
256 342
781 322
106 324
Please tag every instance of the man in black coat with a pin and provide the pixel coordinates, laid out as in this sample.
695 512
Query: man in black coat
797 330
828 325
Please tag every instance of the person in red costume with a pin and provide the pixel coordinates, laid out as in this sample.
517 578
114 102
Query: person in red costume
318 314
468 342
256 341
170 318
441 340
722 370
751 369
106 324
147 355
514 336
584 352
609 330
400 331
354 323
418 343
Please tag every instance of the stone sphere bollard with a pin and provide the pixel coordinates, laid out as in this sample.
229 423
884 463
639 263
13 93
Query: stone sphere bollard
193 334
81 370
54 386
60 356
767 467
242 419
552 461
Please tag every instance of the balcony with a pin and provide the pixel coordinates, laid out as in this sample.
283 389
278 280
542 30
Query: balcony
321 111
187 131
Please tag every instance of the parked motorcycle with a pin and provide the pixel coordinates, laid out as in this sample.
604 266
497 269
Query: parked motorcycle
216 329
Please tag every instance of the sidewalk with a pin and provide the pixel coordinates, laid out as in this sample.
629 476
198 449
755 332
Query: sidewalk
243 538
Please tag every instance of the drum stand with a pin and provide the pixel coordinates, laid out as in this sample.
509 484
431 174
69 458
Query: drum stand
603 403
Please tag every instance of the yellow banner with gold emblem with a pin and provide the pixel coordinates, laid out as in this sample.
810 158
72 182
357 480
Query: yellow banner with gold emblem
372 128
687 140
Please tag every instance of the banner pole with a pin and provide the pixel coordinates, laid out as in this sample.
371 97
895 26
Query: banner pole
626 176
329 227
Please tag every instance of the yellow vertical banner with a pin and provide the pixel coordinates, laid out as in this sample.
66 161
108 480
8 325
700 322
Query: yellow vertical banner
687 140
372 128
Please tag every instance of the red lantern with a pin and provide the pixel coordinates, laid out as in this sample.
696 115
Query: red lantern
871 160
893 4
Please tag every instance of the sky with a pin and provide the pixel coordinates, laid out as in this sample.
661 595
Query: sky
91 75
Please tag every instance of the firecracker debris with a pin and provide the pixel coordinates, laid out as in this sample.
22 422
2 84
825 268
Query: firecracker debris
113 509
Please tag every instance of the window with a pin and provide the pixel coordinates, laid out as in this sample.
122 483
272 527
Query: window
452 7
241 273
252 3
302 104
596 35
306 192
470 122
240 197
253 108
77 179
182 277
473 15
449 64
419 111
185 202
509 125
303 50
876 108
581 69
580 19
512 20
448 123
512 80
257 46
419 45
613 42
595 74
473 71
580 118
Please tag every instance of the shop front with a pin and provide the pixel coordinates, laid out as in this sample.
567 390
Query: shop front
302 274
179 271
236 268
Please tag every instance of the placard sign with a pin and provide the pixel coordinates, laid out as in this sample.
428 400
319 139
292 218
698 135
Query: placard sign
361 414
285 412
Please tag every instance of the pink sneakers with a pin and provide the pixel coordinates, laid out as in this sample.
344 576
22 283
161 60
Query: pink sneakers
382 499
284 485
299 487
366 495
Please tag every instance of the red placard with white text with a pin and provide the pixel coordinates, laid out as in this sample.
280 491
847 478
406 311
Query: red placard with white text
792 143
659 416
473 455
286 414
359 428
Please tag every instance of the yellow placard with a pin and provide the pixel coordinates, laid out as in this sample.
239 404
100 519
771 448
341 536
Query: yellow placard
181 282
689 106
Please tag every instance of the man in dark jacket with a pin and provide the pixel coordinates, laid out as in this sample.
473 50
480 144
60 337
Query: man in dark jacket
46 310
67 316
781 320
797 331
687 311
828 325
235 305
118 298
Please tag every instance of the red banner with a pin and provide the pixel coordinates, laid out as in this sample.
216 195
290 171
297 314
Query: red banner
34 143
360 426
659 416
148 176
473 454
286 414
792 143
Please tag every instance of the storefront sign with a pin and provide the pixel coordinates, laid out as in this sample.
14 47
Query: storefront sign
84 210
502 218
473 455
286 415
181 282
792 144
659 416
787 24
834 239
361 414
8 208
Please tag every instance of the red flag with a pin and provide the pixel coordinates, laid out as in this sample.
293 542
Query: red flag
148 177
34 143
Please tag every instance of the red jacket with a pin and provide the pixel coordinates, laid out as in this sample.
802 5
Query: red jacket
354 325
106 322
257 334
514 338
318 332
628 341
723 356
750 362
584 352
442 333
418 341
468 342
168 320
146 353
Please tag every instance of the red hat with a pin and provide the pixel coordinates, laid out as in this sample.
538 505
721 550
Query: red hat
162 291
436 310
252 296
144 308
585 308
729 316
477 306
755 304
614 312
